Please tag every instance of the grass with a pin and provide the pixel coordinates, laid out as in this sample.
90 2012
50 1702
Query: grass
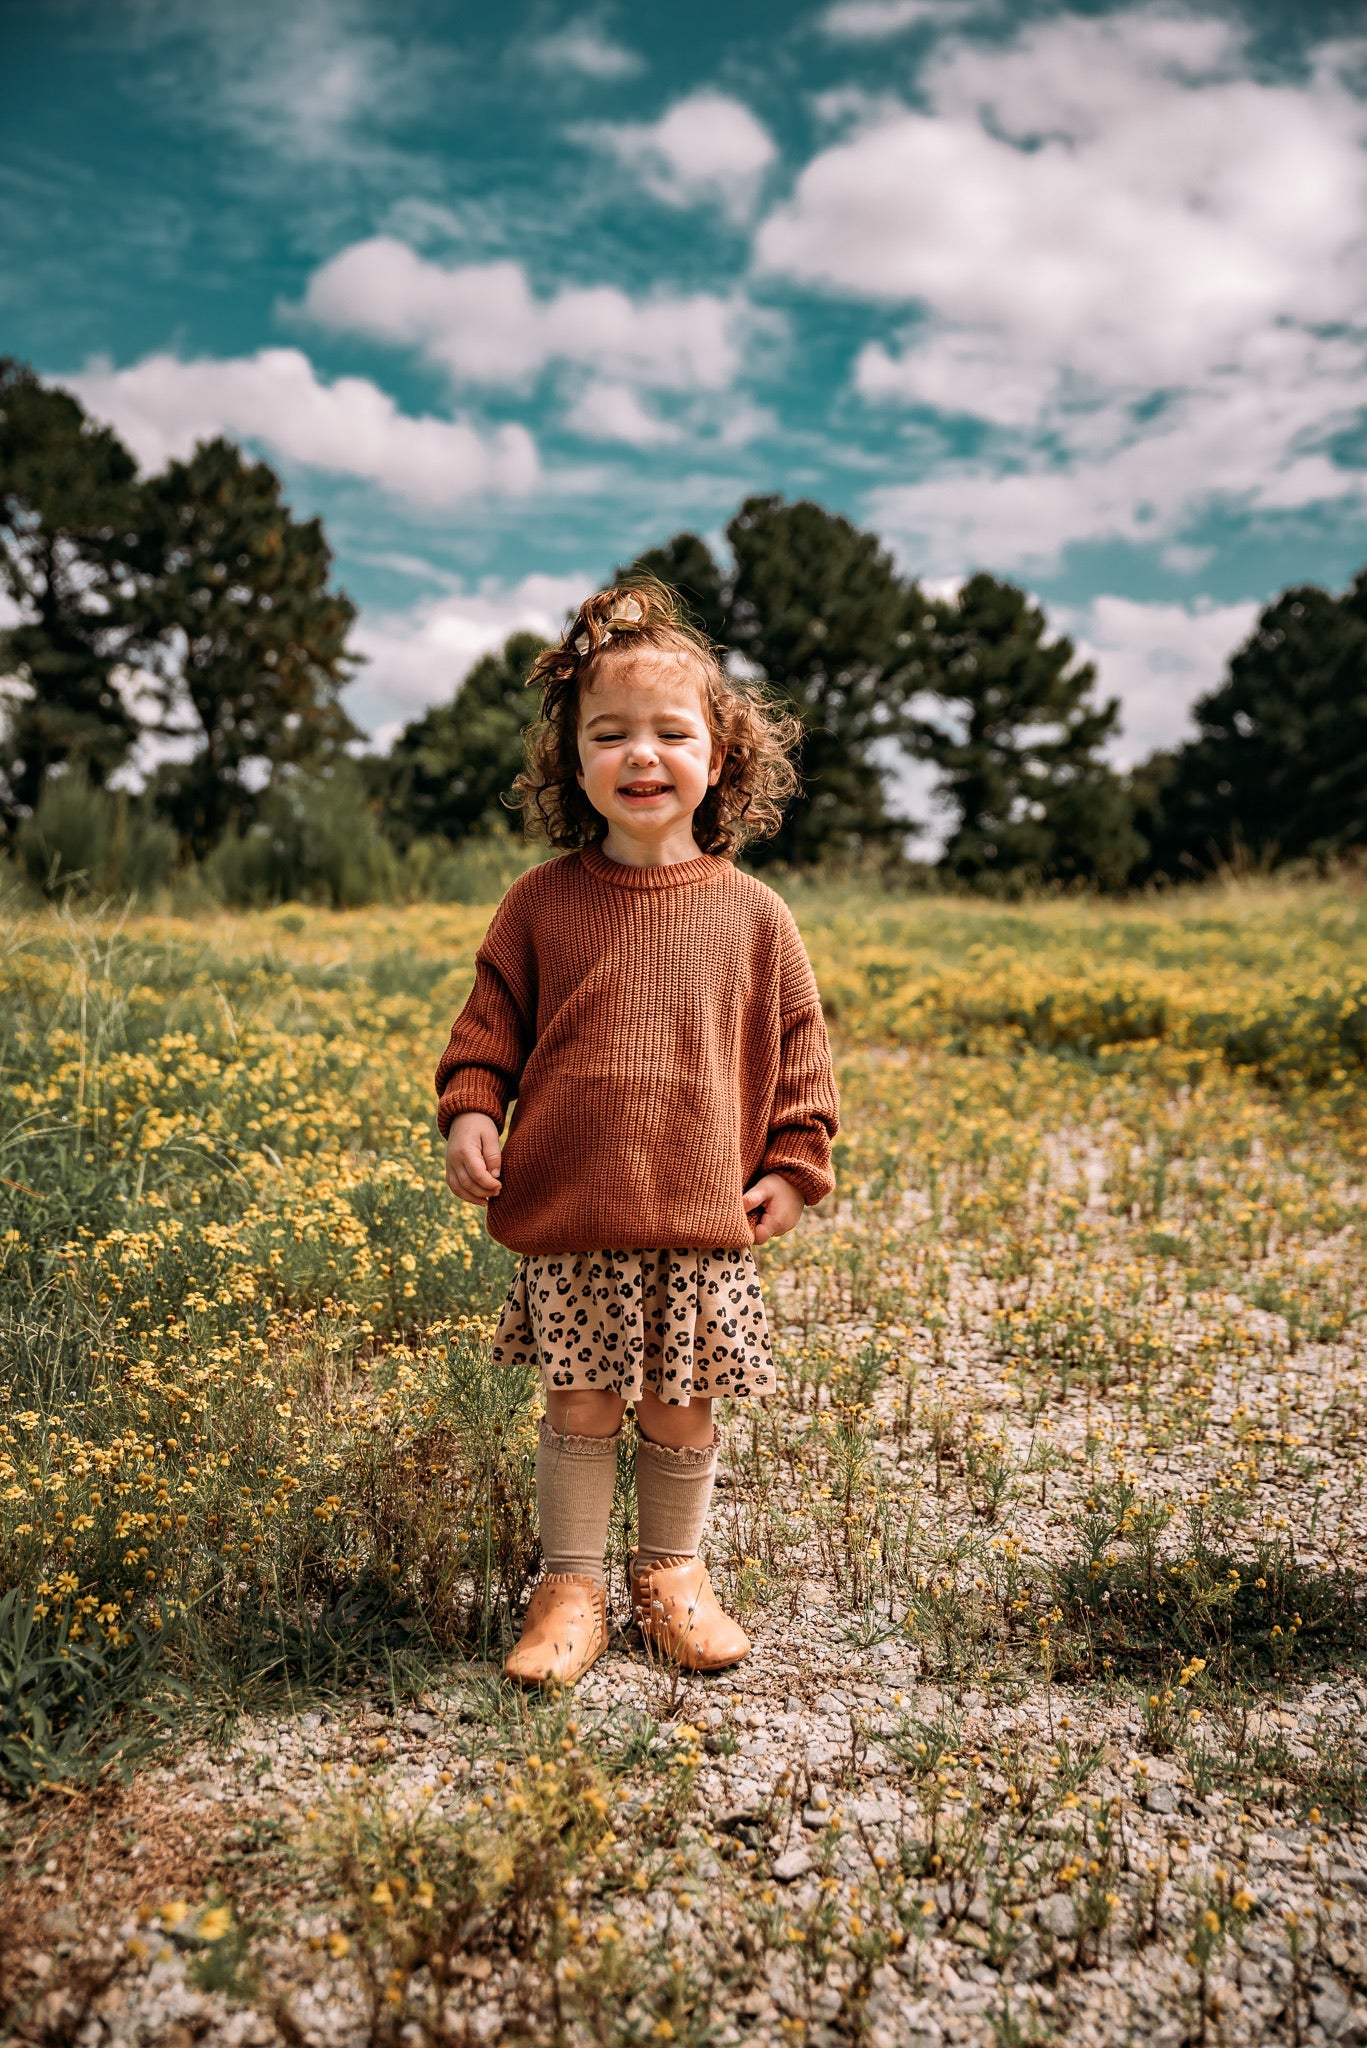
1074 1403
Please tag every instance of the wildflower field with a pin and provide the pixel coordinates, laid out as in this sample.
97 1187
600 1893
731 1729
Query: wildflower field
1053 1546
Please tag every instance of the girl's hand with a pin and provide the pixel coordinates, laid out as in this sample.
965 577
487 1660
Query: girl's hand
472 1157
780 1205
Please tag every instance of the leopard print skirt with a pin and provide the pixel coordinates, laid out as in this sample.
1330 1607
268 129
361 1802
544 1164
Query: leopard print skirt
675 1324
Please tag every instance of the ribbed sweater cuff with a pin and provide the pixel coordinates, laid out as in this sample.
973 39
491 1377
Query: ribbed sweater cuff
809 1172
470 1090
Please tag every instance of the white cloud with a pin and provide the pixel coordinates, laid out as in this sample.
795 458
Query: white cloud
1127 251
162 406
1009 390
311 85
1084 192
873 21
582 46
324 83
483 323
614 412
1248 440
415 658
708 149
1157 659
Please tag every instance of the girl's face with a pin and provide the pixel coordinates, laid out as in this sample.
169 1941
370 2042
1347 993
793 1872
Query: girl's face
646 754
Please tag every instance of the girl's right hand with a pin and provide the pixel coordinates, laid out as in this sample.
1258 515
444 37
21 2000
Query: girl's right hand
472 1157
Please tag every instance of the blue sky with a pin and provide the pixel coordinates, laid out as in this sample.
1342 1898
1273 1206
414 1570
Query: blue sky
1076 294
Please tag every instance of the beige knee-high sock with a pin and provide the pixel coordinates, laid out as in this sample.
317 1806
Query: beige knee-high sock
673 1494
575 1476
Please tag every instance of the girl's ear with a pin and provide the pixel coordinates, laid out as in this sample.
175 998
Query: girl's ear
714 772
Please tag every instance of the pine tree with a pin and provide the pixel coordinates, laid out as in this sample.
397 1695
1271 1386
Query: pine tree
70 551
255 640
1018 754
1278 770
818 610
688 565
449 769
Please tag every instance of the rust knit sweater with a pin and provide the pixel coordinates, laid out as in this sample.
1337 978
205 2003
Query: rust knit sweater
661 1030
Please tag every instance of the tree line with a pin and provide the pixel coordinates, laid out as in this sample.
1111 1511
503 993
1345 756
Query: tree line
191 608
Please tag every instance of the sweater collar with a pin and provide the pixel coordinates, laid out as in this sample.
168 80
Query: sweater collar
675 874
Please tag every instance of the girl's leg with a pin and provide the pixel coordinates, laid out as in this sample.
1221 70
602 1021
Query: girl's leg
665 1423
576 1472
676 1468
671 1593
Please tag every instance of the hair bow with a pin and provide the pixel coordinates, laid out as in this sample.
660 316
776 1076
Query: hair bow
627 612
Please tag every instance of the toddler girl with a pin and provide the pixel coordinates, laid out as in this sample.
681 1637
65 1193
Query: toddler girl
654 1014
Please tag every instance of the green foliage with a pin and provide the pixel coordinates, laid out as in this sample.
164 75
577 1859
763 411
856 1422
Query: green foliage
477 870
817 608
1018 755
450 772
1248 1616
1279 768
82 839
253 640
315 838
69 539
687 564
58 1696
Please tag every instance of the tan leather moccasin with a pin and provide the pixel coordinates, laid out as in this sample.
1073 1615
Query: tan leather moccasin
677 1612
565 1629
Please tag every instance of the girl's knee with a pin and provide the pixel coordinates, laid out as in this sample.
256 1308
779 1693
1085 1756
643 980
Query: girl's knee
679 1428
582 1412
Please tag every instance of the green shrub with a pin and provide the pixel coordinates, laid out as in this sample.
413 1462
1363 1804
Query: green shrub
476 870
82 840
316 839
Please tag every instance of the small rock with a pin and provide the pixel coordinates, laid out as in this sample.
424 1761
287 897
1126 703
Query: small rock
1161 1798
969 1936
1332 2010
421 1725
792 1705
477 1968
793 1864
1276 1852
1058 1915
486 2023
878 1810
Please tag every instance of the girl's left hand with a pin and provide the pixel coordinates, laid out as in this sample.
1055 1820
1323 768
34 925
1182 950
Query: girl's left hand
780 1205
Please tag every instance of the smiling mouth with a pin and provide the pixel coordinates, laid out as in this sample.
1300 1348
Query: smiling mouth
641 791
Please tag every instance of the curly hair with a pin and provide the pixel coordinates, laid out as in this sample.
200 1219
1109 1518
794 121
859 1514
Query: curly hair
636 617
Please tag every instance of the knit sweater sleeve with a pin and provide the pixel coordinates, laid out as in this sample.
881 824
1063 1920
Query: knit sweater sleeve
491 1038
806 1111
